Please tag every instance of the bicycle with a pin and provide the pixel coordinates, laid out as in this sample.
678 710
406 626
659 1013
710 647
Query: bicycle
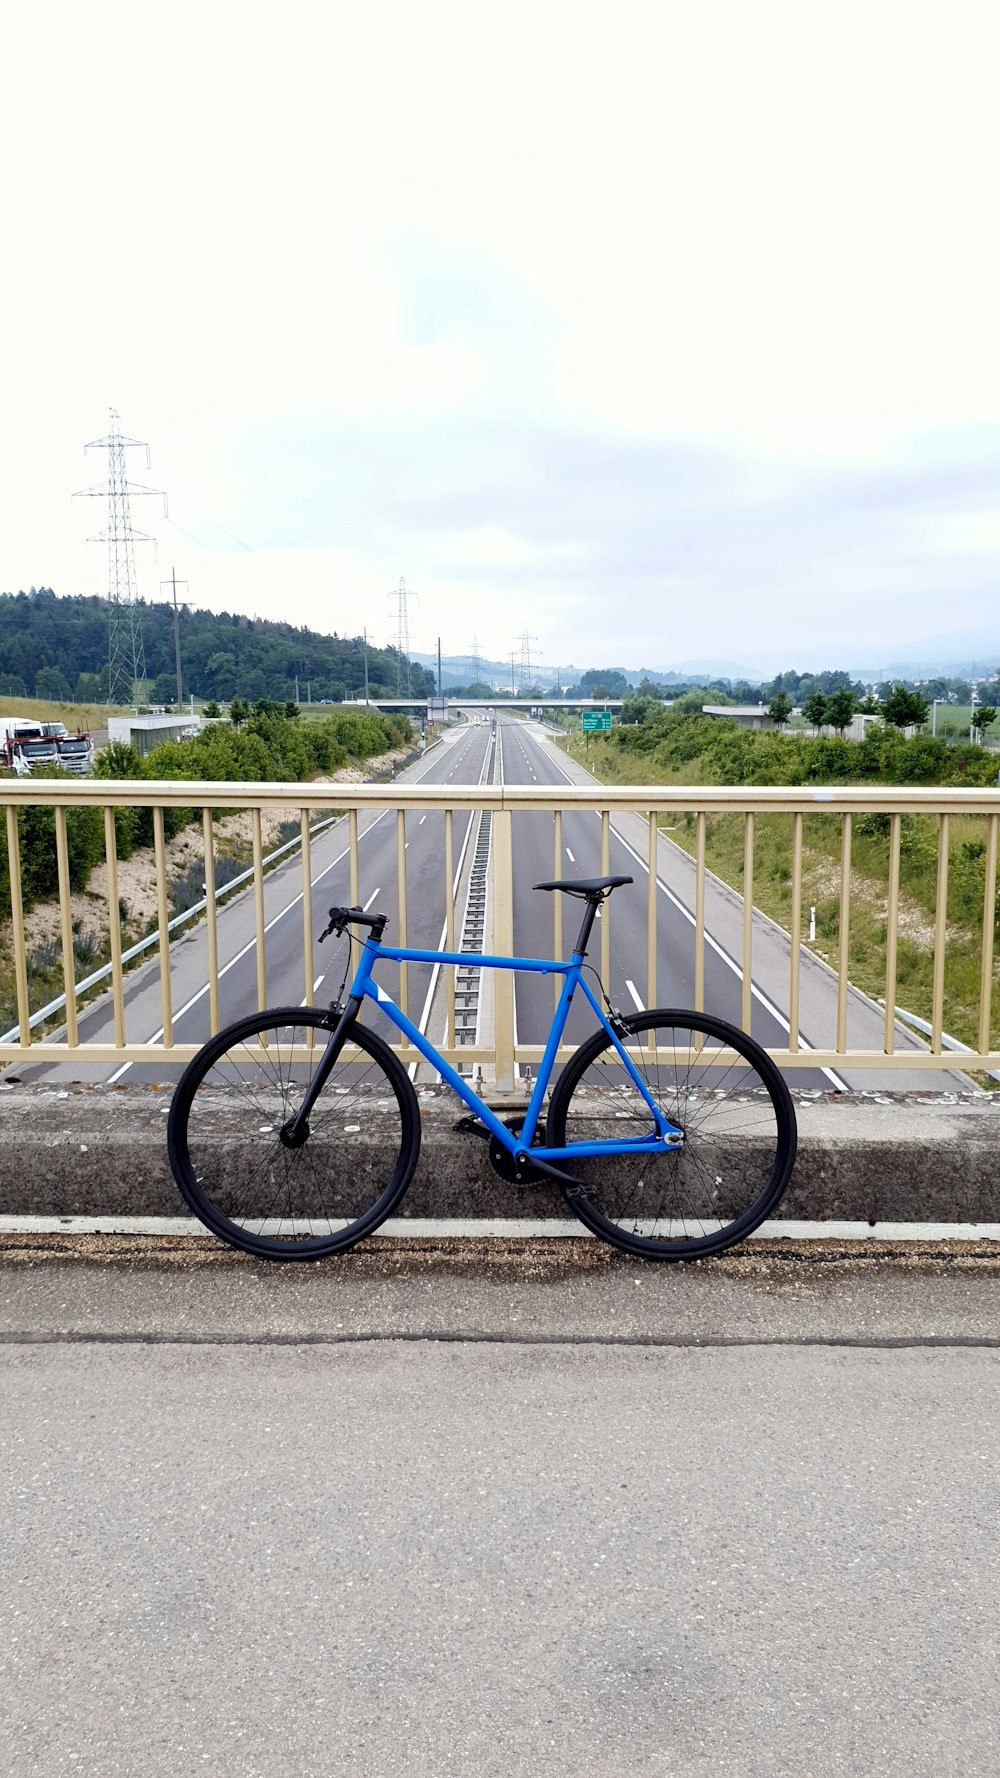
294 1133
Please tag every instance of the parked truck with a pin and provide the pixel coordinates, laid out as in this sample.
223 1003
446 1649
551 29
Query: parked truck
27 745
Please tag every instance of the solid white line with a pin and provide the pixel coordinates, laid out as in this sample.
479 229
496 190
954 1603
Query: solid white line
635 995
570 856
368 903
316 983
511 1228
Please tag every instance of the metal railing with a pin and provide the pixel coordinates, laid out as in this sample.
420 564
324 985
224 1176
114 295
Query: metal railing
772 961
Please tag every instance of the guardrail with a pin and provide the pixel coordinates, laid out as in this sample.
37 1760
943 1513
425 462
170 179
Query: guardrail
640 809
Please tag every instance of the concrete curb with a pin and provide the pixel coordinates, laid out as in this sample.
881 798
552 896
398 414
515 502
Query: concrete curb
917 1157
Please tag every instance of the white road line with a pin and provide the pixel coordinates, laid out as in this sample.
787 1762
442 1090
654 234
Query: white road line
368 903
635 995
509 1228
570 856
423 818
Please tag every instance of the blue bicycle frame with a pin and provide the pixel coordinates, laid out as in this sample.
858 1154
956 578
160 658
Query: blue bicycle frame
663 1135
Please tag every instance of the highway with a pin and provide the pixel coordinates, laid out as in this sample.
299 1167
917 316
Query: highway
526 754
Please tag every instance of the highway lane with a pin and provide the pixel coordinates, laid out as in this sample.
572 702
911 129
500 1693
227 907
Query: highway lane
458 759
529 757
527 760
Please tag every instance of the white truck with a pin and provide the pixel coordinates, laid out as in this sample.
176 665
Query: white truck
26 744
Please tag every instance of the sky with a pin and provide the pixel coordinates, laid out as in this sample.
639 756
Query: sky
668 332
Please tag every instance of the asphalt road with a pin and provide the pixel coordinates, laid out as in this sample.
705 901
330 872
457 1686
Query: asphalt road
292 1526
459 759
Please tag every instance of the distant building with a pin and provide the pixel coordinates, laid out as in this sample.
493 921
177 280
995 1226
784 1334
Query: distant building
744 715
146 732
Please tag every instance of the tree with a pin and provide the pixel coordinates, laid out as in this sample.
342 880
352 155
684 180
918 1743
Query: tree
239 711
780 708
840 707
51 683
904 708
982 716
88 689
814 710
291 709
211 708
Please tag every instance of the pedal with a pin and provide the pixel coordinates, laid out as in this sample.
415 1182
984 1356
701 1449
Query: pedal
471 1126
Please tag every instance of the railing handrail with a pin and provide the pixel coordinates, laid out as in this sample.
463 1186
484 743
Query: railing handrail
721 798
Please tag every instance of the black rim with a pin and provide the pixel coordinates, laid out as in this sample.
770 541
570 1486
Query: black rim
252 1190
727 1096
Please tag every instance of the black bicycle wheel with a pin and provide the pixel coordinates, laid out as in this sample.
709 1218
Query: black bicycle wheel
239 1178
716 1085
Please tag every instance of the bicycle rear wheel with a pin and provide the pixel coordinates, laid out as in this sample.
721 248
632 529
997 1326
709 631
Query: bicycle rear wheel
223 1136
714 1083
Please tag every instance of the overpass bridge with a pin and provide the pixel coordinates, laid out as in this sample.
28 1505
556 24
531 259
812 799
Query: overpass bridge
434 706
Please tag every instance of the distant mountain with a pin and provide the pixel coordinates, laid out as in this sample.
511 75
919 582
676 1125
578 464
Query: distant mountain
462 669
960 654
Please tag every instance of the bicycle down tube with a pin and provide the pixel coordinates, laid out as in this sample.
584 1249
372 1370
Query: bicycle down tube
363 987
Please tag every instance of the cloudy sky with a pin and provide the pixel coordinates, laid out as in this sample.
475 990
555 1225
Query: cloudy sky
670 331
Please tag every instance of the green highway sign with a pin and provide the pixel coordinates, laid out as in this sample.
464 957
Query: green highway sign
599 720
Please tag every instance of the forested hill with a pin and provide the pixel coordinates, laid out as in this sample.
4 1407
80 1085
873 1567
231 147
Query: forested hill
58 648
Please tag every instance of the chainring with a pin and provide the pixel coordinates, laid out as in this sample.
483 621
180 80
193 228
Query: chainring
504 1163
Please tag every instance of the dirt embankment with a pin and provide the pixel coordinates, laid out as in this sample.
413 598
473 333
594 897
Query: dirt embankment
137 875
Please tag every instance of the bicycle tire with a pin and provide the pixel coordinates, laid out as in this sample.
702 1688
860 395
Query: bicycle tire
740 1137
305 1203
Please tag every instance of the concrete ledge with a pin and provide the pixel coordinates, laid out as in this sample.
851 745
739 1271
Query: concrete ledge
919 1157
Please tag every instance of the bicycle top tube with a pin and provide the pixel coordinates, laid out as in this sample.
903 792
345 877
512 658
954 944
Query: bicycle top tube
410 954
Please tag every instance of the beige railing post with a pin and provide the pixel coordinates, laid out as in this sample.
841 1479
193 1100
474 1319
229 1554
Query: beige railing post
502 856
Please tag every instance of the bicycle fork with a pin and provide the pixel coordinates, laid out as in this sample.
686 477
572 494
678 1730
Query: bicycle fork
295 1131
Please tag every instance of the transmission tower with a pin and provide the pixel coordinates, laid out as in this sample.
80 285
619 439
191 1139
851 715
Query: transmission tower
404 687
476 663
126 657
526 642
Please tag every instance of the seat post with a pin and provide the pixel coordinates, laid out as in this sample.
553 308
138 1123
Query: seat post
586 924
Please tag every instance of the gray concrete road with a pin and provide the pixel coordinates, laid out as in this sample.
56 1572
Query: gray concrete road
398 1515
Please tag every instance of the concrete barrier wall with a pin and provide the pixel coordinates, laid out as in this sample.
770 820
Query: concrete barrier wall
919 1157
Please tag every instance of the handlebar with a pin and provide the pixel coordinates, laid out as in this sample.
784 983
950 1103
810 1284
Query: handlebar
341 918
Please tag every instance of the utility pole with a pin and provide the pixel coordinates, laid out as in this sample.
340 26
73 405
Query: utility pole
366 666
296 688
439 666
172 582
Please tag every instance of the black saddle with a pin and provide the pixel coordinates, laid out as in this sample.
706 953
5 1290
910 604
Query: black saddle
593 888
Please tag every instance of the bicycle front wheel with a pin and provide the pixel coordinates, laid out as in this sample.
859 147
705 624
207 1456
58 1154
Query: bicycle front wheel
225 1145
717 1086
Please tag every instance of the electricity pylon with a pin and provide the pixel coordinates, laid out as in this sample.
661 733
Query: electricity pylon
126 656
404 684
